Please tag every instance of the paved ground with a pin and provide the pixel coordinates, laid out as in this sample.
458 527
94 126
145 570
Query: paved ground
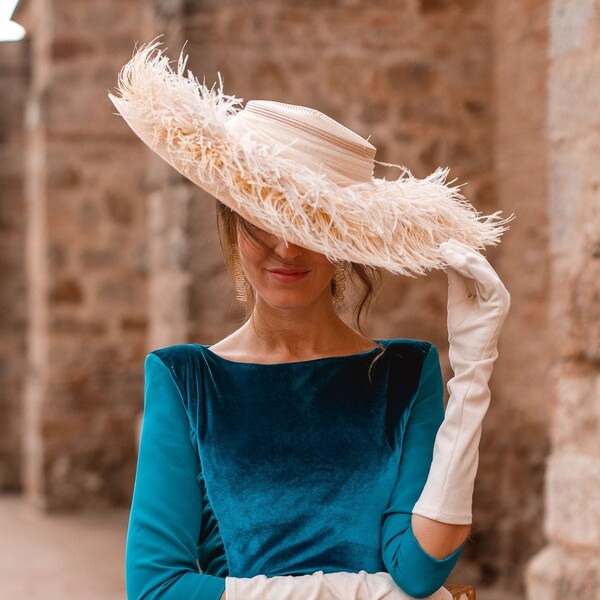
66 557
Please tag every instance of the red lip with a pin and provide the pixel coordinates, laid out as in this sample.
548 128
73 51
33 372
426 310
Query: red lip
288 271
288 276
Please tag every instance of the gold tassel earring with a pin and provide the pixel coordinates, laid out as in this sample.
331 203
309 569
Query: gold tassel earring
240 278
340 282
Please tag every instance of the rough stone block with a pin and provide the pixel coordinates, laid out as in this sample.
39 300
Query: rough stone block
573 500
565 191
585 303
556 573
569 23
574 83
574 213
576 419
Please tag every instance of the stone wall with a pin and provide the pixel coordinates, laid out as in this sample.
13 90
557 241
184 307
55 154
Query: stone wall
86 264
508 500
569 567
13 290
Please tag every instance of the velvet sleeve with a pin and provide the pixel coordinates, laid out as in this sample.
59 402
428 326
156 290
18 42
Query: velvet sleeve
415 571
166 509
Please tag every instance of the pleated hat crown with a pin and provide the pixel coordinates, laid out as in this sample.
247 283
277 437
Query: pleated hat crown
310 137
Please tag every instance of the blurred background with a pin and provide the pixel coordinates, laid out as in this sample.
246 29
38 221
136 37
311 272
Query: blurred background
106 253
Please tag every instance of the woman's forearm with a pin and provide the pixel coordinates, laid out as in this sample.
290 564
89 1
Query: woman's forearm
436 538
478 303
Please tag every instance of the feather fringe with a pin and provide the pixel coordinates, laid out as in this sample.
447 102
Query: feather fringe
394 224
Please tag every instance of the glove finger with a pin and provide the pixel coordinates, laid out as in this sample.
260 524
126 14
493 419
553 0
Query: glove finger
459 286
489 284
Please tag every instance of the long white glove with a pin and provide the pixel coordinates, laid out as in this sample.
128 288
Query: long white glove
478 304
340 585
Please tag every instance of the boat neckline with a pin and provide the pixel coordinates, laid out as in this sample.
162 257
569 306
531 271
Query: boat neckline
294 362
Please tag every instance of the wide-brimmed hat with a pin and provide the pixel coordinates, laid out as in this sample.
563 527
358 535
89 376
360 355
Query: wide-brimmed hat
295 172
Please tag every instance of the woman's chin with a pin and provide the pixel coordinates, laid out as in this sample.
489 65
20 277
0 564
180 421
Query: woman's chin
286 299
286 303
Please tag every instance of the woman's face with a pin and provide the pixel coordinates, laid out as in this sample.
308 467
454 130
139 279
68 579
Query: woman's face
260 266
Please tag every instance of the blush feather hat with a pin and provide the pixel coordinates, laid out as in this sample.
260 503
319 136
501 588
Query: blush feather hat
295 172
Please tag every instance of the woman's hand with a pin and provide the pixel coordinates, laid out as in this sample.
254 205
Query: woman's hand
340 585
478 304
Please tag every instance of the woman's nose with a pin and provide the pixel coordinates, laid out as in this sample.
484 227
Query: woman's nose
287 251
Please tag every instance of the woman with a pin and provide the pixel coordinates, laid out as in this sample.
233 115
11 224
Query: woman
297 458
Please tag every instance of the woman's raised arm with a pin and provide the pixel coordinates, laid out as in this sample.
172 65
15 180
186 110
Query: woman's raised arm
415 553
478 304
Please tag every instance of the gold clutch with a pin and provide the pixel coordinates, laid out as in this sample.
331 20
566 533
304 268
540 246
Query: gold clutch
461 592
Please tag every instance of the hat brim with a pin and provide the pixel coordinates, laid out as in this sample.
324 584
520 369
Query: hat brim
393 224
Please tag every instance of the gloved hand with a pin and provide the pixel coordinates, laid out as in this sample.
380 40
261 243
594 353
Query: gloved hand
340 585
478 304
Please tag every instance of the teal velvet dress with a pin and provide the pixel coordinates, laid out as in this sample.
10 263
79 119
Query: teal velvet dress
283 469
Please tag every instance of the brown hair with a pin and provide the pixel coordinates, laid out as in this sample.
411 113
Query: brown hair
368 277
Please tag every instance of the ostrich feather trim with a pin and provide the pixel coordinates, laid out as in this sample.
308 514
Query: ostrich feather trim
394 224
